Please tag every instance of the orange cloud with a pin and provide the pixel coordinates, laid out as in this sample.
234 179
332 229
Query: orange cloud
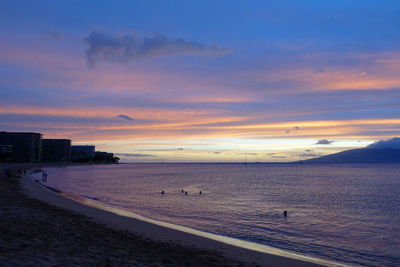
164 124
381 71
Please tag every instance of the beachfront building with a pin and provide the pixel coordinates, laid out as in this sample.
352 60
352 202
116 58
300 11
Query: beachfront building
105 157
5 153
56 150
25 146
82 153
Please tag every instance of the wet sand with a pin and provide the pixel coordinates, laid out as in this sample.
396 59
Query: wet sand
34 232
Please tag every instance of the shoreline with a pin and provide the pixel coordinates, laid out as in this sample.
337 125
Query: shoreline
247 252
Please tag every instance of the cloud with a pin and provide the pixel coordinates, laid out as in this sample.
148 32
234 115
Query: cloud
391 143
134 155
217 152
129 47
296 128
278 157
309 155
54 35
164 149
324 142
247 154
125 117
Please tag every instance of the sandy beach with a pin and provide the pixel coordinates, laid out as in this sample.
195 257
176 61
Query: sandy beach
41 227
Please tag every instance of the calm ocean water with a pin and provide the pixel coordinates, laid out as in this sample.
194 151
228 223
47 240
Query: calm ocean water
347 213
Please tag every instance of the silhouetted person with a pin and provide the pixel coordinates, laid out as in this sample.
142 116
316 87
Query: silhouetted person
182 191
200 192
285 213
186 193
162 192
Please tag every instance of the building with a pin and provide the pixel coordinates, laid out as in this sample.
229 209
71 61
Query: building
25 146
5 153
105 157
82 153
56 150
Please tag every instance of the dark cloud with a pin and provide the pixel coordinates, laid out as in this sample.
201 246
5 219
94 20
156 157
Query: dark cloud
125 117
217 152
278 157
324 142
54 35
247 153
309 155
134 155
126 48
391 143
296 128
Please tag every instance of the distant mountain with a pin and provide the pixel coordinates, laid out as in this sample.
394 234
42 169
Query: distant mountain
361 155
391 143
378 152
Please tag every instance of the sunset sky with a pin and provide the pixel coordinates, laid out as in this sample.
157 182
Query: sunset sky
202 80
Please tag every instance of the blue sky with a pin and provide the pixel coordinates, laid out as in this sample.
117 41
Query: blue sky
202 81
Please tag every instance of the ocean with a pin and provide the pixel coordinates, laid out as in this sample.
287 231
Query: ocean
348 213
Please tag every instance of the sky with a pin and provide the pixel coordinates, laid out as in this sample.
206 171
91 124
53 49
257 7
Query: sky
190 81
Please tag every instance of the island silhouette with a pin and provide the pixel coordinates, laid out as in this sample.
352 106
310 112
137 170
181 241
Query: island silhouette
379 152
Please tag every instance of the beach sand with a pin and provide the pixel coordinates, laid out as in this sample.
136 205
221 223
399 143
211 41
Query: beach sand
41 227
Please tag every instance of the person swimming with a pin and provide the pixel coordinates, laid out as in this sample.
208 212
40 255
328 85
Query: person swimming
162 192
